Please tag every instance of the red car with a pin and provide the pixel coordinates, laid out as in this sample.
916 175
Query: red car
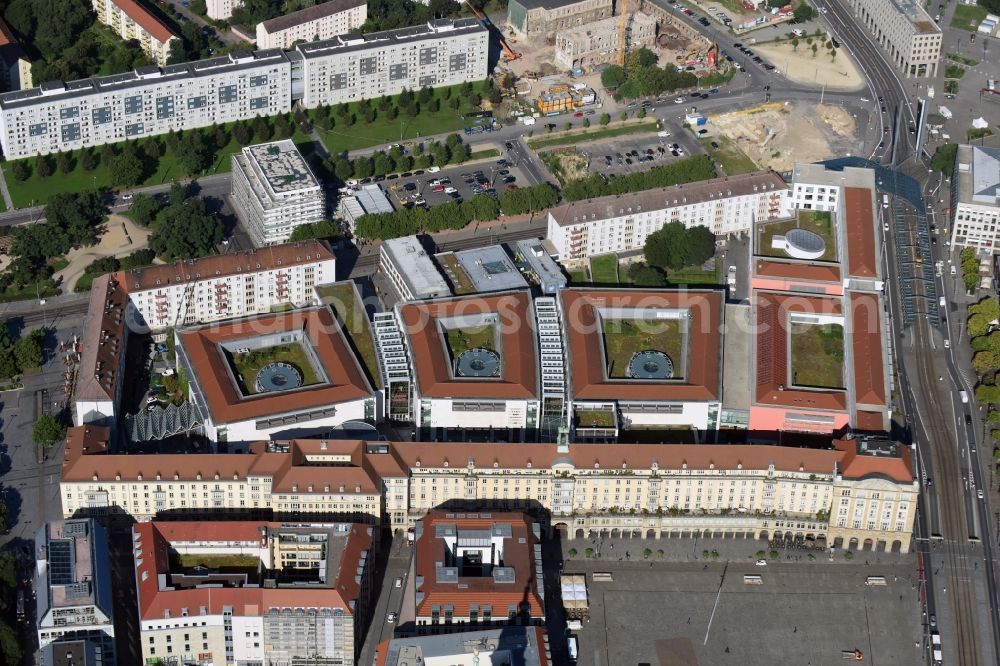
439 188
512 187
578 114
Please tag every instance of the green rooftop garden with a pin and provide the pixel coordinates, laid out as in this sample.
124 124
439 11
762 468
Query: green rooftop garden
354 320
817 221
623 338
817 355
246 366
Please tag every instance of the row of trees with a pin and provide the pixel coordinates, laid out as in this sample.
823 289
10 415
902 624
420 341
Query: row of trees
21 354
969 262
182 229
640 77
480 208
984 337
391 14
396 160
99 267
688 170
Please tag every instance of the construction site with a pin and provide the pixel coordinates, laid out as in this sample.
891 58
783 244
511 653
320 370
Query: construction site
777 135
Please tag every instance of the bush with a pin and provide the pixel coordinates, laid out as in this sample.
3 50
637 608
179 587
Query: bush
589 552
684 171
848 556
660 553
572 552
759 555
647 553
773 555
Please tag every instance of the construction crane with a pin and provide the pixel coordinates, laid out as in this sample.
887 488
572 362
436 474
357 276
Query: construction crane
509 53
624 31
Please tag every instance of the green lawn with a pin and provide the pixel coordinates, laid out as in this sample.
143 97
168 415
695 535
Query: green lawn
970 62
42 289
819 222
693 276
463 339
36 191
595 418
968 17
581 276
248 365
460 281
218 561
604 269
817 355
954 72
484 154
402 129
354 319
624 337
728 156
573 137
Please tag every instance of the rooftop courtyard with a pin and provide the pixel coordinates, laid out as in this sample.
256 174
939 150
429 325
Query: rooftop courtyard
269 369
651 339
815 221
817 355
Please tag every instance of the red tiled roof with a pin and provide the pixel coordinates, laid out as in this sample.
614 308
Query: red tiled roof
225 401
857 466
584 342
103 340
147 19
772 382
866 349
798 271
515 332
862 255
429 550
152 558
868 421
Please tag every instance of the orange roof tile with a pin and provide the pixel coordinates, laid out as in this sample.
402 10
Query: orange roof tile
867 353
799 271
147 19
855 465
585 345
862 254
432 360
225 401
772 382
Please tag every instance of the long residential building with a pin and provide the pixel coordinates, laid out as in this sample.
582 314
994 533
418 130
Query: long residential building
133 21
307 599
857 494
59 116
15 67
322 21
621 223
184 293
906 31
975 198
74 587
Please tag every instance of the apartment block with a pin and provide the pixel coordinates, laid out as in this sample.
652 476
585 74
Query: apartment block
131 20
15 72
909 35
306 599
322 21
220 10
74 588
542 19
975 195
184 293
621 223
274 191
857 494
59 116
353 67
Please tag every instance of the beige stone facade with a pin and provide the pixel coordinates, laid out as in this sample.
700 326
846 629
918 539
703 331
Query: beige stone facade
541 19
597 43
906 31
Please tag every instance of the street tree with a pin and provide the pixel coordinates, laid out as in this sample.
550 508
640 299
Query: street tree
47 430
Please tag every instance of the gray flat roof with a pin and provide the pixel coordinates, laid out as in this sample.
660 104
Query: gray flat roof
359 42
519 646
736 376
415 267
550 276
986 175
308 14
373 199
490 269
281 163
50 91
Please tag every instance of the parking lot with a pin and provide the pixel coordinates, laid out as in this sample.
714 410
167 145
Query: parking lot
674 613
455 183
631 154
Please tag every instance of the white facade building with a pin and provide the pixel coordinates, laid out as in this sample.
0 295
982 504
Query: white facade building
909 35
323 21
133 21
275 191
621 223
73 584
369 199
411 271
976 198
220 10
353 67
60 116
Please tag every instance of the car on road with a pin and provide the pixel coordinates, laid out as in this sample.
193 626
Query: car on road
450 190
390 618
713 91
578 114
398 582
979 493
761 563
126 197
679 100
508 145
433 169
589 113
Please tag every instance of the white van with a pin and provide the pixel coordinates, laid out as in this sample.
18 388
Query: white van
885 201
954 271
964 396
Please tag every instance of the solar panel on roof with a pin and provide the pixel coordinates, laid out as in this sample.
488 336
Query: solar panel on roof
61 562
